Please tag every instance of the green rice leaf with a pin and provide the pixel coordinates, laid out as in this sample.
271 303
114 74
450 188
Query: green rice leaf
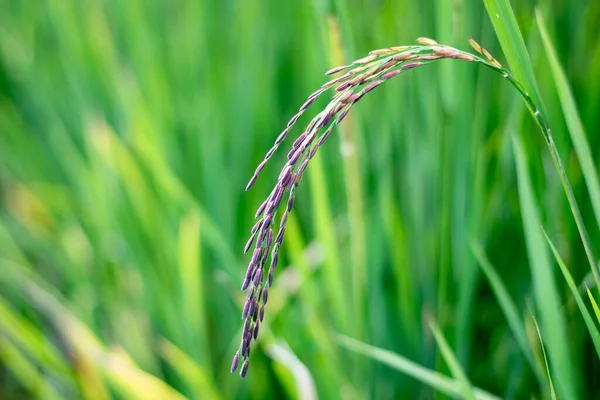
545 291
578 136
450 358
437 381
589 323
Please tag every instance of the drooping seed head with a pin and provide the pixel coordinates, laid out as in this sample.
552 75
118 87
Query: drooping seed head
359 78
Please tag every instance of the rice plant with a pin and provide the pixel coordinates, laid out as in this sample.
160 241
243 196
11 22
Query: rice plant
413 263
358 79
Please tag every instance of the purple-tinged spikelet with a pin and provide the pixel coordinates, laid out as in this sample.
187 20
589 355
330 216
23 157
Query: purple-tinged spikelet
245 283
340 118
246 308
255 333
249 243
293 120
371 86
335 70
281 137
234 363
411 65
343 86
298 141
244 369
251 182
390 74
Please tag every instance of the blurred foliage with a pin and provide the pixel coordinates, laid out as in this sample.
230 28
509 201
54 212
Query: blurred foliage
128 131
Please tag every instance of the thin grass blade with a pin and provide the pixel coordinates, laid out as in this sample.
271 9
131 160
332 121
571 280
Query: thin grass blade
509 308
574 125
437 381
457 371
511 40
589 322
594 305
551 384
545 291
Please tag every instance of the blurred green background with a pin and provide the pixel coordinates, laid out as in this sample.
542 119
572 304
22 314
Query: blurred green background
128 131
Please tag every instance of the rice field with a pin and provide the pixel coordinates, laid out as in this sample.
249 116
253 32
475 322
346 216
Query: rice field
443 241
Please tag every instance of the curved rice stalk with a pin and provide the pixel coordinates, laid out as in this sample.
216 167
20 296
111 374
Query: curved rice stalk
356 80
